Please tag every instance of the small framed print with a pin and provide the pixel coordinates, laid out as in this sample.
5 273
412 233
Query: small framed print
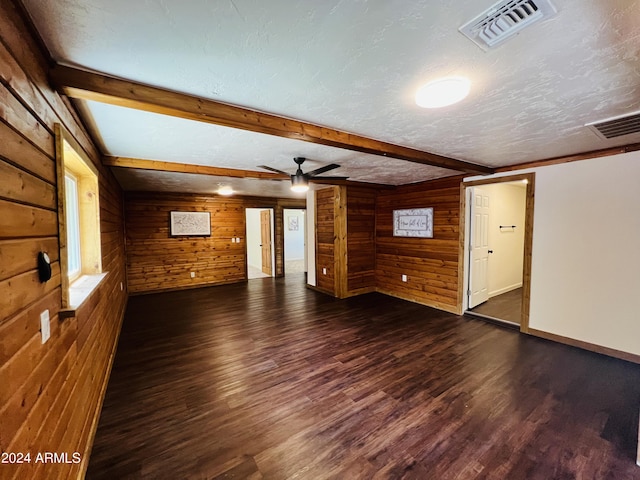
415 222
193 224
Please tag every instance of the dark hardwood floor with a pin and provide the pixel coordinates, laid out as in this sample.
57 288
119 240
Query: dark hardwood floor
271 380
507 306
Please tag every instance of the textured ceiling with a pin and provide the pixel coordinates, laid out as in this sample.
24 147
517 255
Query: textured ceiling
354 66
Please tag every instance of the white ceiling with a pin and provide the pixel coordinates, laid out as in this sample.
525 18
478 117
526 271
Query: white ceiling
354 66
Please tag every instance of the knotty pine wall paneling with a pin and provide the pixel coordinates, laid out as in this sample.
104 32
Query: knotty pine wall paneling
431 264
325 239
156 261
361 233
50 394
345 240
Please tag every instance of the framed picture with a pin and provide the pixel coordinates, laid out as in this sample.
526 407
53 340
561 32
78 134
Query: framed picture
192 224
415 222
293 224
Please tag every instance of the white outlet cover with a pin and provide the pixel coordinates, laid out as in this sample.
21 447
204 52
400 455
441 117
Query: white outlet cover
404 278
193 274
44 326
324 271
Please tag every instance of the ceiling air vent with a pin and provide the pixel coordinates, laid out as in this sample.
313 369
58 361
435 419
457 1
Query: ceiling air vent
616 126
504 19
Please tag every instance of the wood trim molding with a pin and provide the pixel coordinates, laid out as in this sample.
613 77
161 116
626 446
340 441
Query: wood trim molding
528 239
340 260
461 250
528 249
611 352
85 85
606 152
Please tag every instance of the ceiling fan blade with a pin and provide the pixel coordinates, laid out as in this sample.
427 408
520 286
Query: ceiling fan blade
320 170
315 179
273 169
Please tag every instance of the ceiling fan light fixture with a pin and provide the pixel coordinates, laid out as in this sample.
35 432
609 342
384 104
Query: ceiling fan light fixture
299 183
443 92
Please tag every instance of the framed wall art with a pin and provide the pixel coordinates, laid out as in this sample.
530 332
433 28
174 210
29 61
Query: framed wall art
415 222
194 224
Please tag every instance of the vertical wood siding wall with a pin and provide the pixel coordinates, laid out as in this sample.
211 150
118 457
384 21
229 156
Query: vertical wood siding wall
361 238
325 235
50 394
156 261
431 264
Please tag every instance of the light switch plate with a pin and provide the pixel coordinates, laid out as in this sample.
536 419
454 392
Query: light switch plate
44 326
193 274
324 271
404 278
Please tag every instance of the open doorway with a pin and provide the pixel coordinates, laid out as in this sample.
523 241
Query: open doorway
260 251
499 226
295 240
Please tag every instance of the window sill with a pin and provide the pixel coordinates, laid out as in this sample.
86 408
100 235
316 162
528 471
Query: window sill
79 291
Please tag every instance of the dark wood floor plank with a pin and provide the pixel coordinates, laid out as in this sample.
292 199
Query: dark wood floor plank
506 306
270 380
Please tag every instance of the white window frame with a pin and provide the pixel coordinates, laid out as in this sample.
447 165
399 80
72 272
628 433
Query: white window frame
72 218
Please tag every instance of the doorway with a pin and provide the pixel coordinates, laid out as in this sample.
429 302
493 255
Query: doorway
498 232
295 240
260 251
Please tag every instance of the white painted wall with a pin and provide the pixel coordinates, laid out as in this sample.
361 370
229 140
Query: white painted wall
585 276
254 253
311 238
506 207
294 239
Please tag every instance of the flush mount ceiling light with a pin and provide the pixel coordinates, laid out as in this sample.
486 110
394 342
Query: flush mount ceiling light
225 190
443 92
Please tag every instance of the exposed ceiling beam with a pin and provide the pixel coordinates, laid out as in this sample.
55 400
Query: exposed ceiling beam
174 167
85 85
162 166
605 152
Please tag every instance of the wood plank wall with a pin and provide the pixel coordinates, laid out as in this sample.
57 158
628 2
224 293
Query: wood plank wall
431 265
158 262
361 233
345 240
325 235
50 395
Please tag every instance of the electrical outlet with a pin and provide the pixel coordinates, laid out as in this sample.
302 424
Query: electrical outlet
324 271
44 326
238 240
193 274
404 278
233 240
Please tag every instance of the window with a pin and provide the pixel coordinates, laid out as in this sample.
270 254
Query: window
73 226
79 221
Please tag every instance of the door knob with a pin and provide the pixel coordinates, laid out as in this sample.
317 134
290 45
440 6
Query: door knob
490 251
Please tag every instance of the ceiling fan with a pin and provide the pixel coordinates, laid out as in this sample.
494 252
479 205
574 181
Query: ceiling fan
300 180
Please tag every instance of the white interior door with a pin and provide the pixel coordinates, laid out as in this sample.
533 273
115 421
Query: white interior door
479 248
